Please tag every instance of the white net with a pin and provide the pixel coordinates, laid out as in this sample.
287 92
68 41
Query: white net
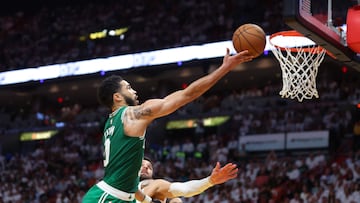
299 66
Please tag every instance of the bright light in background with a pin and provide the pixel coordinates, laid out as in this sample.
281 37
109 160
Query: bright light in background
107 33
177 56
111 33
98 35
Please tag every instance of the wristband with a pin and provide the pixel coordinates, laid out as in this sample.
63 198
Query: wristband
190 188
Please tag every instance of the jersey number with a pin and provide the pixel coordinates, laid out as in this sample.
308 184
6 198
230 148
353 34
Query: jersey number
106 151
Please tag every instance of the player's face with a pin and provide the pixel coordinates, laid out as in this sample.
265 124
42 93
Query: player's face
146 170
129 94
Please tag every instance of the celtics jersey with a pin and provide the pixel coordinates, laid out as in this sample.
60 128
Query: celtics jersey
122 154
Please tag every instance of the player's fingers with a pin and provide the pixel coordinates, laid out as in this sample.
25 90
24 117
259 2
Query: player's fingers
244 56
216 169
233 173
229 166
217 166
245 52
231 170
227 51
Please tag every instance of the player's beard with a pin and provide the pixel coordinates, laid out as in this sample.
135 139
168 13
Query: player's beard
130 101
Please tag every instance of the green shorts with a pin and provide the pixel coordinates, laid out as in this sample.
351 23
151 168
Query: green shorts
96 195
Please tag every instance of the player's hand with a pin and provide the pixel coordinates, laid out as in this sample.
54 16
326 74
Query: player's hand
221 175
231 62
147 199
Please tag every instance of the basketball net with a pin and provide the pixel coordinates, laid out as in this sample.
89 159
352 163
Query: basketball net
299 59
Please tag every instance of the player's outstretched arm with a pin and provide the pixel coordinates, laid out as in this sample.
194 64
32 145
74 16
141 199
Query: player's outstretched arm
156 108
137 118
161 189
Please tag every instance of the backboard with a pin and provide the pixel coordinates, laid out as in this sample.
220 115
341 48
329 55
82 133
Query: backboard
324 22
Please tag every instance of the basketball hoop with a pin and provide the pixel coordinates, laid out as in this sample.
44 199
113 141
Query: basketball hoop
299 59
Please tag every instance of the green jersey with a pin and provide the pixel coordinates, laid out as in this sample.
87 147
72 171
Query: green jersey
123 155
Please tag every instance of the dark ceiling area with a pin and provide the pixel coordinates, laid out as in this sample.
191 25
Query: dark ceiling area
35 5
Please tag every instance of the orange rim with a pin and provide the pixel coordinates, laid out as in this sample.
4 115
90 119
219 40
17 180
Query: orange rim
293 33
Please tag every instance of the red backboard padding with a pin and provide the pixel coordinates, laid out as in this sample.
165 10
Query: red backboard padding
353 28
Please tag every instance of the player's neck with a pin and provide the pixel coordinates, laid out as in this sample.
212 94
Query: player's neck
117 106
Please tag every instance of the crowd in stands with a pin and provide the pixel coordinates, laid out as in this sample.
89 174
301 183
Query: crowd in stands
61 169
50 35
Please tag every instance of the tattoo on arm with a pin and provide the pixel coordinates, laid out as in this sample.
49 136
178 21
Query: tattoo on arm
138 112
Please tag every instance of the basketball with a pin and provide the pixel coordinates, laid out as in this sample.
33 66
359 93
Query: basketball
249 37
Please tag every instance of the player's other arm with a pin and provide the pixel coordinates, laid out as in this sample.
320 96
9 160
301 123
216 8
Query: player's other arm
161 189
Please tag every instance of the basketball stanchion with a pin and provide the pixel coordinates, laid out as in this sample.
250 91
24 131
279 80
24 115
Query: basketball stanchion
299 59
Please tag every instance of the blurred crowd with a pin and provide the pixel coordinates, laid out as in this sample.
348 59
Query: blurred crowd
62 168
49 35
254 110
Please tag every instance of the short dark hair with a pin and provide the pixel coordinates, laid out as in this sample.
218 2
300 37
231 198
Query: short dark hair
107 88
148 159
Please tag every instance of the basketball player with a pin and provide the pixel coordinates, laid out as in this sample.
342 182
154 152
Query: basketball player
161 189
124 130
